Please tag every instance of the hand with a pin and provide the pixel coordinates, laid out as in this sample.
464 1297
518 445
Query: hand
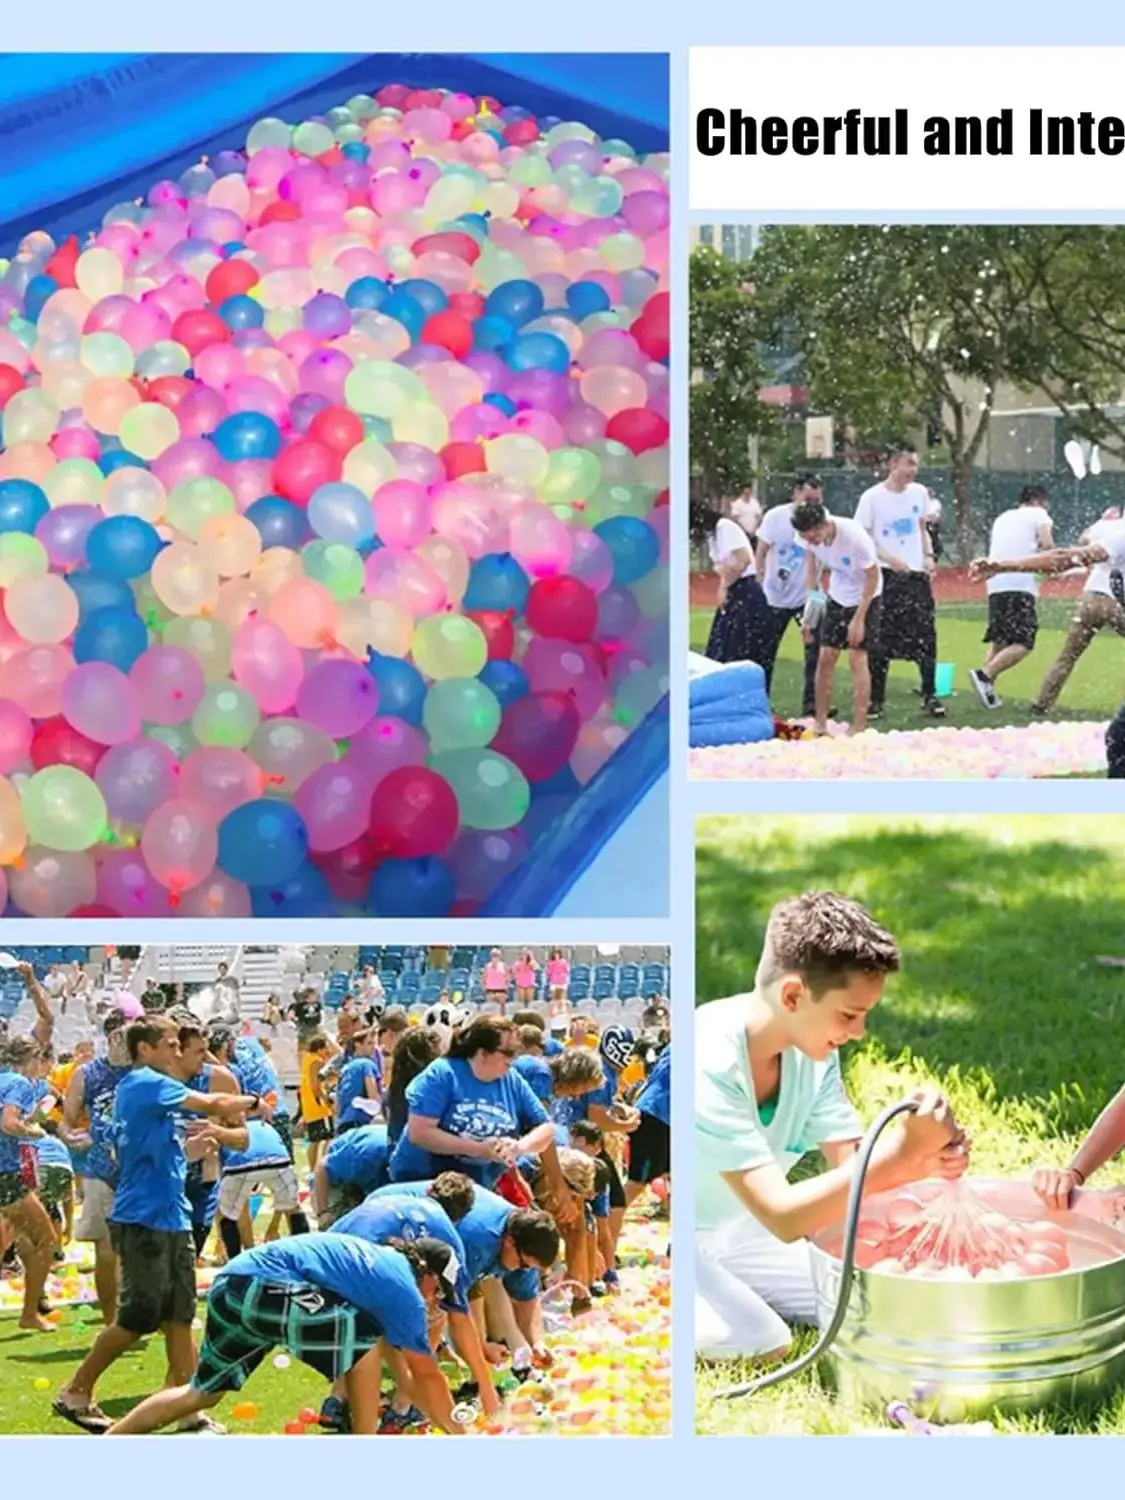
490 1402
931 567
541 1357
1055 1185
25 971
926 1133
857 629
806 635
626 1116
953 1162
897 565
981 567
563 1208
495 1353
500 1149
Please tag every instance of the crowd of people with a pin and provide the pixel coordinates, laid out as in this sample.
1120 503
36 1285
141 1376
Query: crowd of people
454 1164
864 585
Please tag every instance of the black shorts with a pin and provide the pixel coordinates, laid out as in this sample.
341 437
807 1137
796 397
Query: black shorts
650 1150
837 618
318 1130
616 1189
157 1276
246 1318
1013 619
908 622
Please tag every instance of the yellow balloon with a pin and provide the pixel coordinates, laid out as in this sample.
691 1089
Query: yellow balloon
231 543
518 458
449 562
21 556
423 423
276 565
13 829
148 429
31 416
106 401
107 354
185 580
368 466
99 273
74 481
375 623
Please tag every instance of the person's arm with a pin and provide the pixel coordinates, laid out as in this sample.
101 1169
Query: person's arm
609 1123
432 1392
74 1102
760 559
1045 536
529 1319
1053 560
44 1026
467 1342
838 1153
858 625
929 562
14 1124
732 569
1105 1138
233 1137
216 1105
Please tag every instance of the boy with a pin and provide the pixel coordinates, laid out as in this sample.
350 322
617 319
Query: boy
1013 622
851 614
768 1089
784 571
316 1106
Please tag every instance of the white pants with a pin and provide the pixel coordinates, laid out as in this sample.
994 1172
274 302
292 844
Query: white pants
237 1188
749 1286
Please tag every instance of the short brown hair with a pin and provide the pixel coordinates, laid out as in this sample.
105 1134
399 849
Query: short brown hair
317 1042
530 1036
825 937
394 1020
577 1067
484 1034
148 1032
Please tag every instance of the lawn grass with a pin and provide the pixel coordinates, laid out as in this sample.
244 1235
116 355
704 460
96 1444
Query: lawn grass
1094 690
1001 1002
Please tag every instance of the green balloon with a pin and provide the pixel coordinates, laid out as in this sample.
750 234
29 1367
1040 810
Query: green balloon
177 737
377 388
337 566
449 646
491 792
611 500
192 504
572 475
63 809
226 715
460 713
639 694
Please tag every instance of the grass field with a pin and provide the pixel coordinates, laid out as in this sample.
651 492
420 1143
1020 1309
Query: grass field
1001 1001
1094 691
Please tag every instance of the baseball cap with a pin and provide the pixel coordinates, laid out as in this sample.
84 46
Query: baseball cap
441 1261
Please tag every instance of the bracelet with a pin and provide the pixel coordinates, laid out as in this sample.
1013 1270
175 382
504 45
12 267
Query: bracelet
1077 1172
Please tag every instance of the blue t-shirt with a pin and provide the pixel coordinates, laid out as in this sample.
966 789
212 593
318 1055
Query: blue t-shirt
552 1048
257 1074
567 1112
100 1081
654 1098
359 1158
448 1091
482 1234
16 1090
352 1086
537 1072
265 1146
53 1153
149 1133
405 1216
376 1280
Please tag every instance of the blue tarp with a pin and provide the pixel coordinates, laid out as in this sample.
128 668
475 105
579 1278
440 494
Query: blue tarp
80 133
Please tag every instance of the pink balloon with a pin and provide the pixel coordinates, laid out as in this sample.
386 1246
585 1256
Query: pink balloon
339 696
335 802
126 884
16 730
385 744
402 513
34 676
218 778
180 844
406 580
216 896
559 667
267 664
101 703
540 542
49 883
169 684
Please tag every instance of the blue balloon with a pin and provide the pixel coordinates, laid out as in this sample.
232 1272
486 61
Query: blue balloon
242 312
427 294
97 591
122 547
411 888
490 334
232 247
538 351
634 544
22 505
356 151
262 843
504 678
517 301
40 290
280 523
367 294
501 402
378 428
340 512
119 458
406 310
117 635
497 581
402 688
584 298
247 434
304 894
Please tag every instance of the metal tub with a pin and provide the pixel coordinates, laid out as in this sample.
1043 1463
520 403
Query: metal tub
957 1350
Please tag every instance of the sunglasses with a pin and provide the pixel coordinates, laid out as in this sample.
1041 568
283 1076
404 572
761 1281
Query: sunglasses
508 1052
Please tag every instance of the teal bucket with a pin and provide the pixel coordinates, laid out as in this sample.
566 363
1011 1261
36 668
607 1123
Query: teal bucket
255 1206
943 678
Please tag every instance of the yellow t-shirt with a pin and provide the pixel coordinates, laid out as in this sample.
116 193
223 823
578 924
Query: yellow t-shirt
58 1081
632 1073
315 1104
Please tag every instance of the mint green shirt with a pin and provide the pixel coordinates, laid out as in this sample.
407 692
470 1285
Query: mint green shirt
732 1134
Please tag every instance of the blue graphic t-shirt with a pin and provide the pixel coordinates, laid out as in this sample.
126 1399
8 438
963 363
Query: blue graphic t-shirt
353 1086
567 1112
482 1234
19 1091
406 1216
149 1132
100 1081
654 1097
449 1092
359 1158
257 1074
376 1280
265 1146
537 1071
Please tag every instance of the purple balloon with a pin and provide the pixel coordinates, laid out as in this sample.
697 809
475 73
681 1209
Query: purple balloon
64 531
338 696
135 778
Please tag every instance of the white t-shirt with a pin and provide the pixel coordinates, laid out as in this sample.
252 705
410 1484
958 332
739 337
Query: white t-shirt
785 561
1111 536
812 1109
894 519
747 511
728 539
848 556
1015 534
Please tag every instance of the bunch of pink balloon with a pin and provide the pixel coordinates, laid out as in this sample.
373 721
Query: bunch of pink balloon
333 516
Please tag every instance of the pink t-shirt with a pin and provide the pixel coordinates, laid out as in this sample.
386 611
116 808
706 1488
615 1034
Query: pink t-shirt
524 974
558 972
496 977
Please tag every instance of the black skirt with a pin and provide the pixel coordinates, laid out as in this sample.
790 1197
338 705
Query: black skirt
744 628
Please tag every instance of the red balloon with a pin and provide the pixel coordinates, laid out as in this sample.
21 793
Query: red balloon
169 390
56 743
499 633
61 265
422 99
469 304
452 242
538 734
638 428
521 132
562 607
413 812
300 469
94 910
198 328
230 278
348 870
661 499
280 210
462 128
462 458
393 96
11 381
448 330
337 428
653 337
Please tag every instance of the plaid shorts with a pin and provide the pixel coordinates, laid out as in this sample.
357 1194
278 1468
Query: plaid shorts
13 1188
54 1184
246 1318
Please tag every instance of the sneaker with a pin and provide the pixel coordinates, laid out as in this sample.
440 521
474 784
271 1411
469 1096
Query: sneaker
598 1289
984 688
395 1422
934 707
611 1279
334 1415
1038 711
875 712
204 1425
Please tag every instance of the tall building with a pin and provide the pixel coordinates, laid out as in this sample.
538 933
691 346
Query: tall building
732 241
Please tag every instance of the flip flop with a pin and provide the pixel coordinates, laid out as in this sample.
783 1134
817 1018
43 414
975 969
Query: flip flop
89 1418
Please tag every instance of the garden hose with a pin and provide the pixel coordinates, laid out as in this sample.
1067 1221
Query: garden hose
847 1257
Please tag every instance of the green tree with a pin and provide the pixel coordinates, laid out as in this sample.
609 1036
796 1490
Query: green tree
727 374
906 326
